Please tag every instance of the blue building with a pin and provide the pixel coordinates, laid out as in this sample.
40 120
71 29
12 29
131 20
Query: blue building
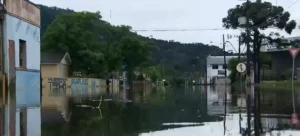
20 67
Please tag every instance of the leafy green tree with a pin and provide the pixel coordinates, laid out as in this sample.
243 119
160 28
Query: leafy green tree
261 15
154 74
94 45
77 34
136 53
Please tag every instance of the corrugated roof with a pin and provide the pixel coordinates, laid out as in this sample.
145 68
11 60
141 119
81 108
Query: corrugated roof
53 58
219 60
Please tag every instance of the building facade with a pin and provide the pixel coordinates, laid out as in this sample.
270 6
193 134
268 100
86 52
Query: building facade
20 67
55 65
282 61
215 67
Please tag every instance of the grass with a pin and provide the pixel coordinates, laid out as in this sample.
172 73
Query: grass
280 84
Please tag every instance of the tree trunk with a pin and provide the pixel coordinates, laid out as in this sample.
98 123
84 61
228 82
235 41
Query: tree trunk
130 83
248 114
258 82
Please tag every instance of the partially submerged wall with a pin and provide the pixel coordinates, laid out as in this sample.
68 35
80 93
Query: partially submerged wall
76 87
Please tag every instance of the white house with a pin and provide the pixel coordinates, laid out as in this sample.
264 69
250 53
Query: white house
215 67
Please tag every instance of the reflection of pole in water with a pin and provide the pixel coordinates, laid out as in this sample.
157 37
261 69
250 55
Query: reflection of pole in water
293 90
225 108
240 116
124 89
248 113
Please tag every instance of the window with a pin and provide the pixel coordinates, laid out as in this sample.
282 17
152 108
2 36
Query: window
221 72
215 67
22 53
224 66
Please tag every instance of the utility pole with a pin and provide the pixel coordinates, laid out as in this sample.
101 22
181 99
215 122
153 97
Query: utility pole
225 65
239 48
248 42
248 68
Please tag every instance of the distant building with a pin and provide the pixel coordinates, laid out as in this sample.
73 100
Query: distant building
282 61
55 64
215 67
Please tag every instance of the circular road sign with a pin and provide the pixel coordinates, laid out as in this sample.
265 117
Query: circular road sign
241 67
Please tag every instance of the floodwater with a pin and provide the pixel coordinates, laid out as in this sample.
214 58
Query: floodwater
170 111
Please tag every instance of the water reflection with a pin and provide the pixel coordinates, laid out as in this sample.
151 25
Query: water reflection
198 110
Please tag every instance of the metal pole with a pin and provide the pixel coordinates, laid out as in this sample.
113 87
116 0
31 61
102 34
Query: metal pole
239 48
248 42
293 91
225 66
240 115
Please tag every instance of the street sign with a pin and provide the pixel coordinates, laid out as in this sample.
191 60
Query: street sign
294 118
294 52
241 67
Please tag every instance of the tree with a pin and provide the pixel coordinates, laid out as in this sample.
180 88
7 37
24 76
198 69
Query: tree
135 53
94 45
74 33
261 15
154 73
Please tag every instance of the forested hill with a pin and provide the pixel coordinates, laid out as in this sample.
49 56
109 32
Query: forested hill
182 57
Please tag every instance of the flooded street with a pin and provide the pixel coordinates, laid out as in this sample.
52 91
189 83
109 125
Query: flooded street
174 111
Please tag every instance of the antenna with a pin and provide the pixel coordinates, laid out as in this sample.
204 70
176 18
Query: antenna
110 16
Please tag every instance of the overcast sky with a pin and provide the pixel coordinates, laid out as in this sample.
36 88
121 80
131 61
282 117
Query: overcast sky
169 14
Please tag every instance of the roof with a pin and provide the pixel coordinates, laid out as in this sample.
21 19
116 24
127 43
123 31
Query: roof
52 58
219 60
275 49
293 38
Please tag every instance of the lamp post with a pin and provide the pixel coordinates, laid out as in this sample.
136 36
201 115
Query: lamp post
245 21
225 65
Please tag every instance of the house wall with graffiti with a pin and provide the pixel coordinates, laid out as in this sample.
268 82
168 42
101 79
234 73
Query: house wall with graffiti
75 86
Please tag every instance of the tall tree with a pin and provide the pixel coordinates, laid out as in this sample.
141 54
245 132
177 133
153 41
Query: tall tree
135 53
261 15
79 35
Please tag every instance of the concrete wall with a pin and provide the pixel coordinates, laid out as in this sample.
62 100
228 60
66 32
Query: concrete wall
281 61
76 86
55 70
214 72
16 30
63 70
24 9
49 70
27 89
21 22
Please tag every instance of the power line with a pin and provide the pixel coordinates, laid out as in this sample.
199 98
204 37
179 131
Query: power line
293 3
180 30
260 15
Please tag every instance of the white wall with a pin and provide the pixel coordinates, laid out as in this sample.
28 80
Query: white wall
17 29
214 72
